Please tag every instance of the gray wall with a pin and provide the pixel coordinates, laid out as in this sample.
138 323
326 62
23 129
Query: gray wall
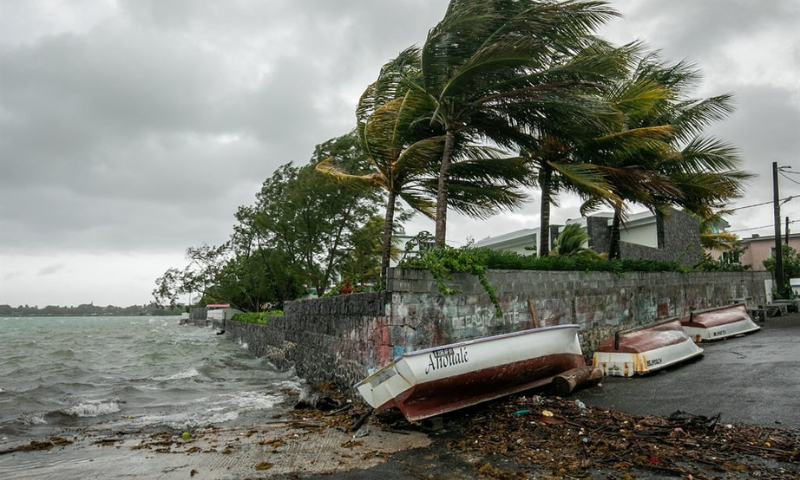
341 339
676 233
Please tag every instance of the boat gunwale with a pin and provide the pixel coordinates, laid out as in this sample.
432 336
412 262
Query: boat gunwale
646 326
692 313
486 339
464 343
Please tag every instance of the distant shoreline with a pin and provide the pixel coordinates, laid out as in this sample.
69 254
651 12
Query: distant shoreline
152 314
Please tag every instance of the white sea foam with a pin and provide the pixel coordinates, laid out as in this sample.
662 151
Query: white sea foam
93 409
33 419
192 372
248 401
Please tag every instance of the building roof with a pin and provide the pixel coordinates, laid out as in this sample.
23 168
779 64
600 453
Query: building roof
758 238
507 237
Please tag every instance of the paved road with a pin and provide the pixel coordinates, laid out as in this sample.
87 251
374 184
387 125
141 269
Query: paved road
751 379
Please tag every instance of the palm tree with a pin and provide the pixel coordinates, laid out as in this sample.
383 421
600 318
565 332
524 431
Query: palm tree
403 148
570 243
401 157
662 160
564 153
491 68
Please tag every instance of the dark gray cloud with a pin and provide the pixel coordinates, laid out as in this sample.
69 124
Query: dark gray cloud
132 129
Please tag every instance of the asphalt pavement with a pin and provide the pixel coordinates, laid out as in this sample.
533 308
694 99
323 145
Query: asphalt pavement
754 379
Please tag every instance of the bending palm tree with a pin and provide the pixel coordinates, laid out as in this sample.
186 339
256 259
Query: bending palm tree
401 156
493 67
403 147
678 168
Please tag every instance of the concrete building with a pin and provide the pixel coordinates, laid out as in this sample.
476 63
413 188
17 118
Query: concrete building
760 247
643 236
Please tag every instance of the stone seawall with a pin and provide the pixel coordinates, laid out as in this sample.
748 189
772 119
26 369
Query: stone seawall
342 339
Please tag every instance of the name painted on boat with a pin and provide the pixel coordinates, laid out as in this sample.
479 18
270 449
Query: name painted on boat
446 357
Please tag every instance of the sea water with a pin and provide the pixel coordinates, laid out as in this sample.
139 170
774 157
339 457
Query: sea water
63 375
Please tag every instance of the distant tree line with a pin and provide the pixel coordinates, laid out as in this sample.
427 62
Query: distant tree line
89 309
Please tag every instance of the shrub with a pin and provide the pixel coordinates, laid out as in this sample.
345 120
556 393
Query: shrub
260 318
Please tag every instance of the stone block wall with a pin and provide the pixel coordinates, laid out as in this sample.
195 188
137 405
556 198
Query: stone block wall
599 302
676 234
343 339
328 339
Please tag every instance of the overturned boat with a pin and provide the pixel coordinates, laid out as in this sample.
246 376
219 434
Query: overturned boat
645 349
719 322
441 379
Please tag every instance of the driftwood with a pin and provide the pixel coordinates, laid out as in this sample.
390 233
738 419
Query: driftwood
532 313
577 377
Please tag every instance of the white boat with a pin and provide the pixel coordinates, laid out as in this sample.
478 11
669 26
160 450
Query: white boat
645 349
718 323
436 380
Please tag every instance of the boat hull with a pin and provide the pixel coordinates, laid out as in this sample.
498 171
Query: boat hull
645 349
719 323
437 380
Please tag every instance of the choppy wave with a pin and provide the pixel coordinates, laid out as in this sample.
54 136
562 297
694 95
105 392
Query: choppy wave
33 419
120 372
93 409
192 372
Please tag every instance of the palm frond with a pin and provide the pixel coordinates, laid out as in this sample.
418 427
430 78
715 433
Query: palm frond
331 171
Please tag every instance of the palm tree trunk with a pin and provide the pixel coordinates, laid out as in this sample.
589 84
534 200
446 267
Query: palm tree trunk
613 247
544 211
386 251
441 193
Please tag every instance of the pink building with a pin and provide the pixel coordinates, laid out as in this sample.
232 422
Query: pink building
759 248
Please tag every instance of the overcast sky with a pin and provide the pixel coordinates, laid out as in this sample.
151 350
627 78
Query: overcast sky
132 129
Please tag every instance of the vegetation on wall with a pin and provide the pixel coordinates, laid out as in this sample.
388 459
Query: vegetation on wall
442 262
259 318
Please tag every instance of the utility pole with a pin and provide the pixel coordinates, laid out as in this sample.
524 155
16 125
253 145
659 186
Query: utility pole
778 249
786 232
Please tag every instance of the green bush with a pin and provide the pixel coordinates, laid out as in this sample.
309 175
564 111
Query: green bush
260 318
441 262
505 260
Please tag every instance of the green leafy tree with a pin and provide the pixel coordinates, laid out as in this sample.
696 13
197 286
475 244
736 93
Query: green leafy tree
257 282
310 220
362 265
197 277
791 269
301 231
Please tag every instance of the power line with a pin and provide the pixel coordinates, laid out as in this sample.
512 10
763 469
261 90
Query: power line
759 204
759 228
790 179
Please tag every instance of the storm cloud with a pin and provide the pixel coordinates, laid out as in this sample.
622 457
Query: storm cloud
132 129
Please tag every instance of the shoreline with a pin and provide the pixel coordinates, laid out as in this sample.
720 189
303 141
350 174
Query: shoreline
518 437
625 421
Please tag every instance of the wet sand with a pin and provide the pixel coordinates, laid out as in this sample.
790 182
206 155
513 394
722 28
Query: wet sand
256 452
